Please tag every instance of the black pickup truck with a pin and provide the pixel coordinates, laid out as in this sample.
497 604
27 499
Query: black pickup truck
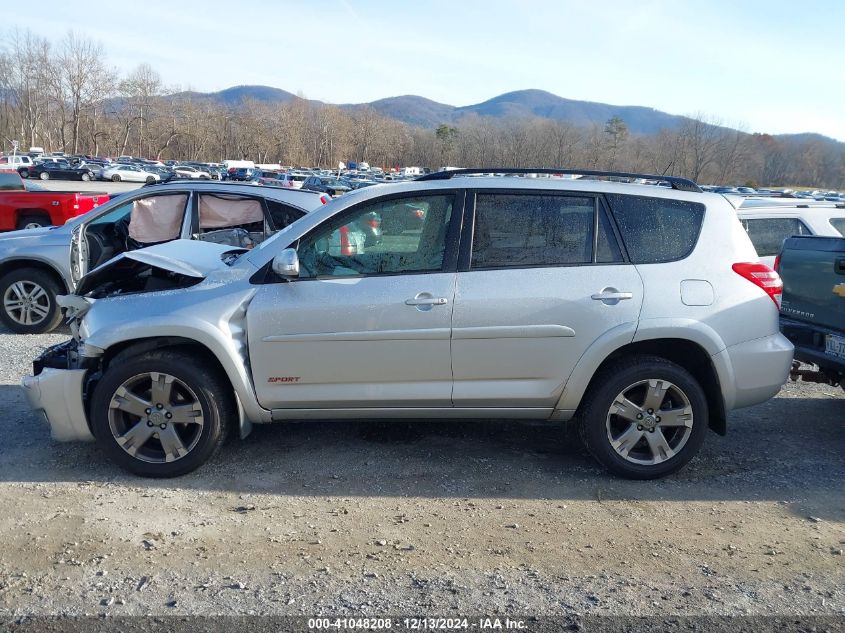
812 314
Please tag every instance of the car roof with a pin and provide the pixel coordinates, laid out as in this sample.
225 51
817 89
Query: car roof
285 194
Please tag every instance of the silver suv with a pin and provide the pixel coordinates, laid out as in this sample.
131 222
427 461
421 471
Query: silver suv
640 311
36 265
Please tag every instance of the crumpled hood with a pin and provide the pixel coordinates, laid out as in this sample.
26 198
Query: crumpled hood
192 259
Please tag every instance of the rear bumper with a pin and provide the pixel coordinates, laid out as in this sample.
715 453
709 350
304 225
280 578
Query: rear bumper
756 369
57 395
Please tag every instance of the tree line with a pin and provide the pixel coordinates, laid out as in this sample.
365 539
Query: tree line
64 96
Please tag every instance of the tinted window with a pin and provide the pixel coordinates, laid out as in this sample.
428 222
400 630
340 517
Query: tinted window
768 234
839 225
656 229
532 230
359 242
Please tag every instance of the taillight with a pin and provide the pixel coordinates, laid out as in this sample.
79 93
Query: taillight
776 265
374 223
419 213
345 246
763 277
324 199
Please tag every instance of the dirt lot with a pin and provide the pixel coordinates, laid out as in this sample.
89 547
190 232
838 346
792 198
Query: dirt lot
426 517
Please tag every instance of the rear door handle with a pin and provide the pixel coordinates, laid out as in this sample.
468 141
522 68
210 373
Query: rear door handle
611 296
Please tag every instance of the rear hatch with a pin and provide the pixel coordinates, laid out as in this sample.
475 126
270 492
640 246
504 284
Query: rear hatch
813 273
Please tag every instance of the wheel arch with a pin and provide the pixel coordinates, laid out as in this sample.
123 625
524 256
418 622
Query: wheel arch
134 347
41 213
10 265
687 354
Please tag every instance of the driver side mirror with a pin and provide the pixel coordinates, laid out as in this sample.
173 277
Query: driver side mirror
286 264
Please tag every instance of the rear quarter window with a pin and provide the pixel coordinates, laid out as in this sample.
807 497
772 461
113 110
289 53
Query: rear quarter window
839 225
656 230
768 234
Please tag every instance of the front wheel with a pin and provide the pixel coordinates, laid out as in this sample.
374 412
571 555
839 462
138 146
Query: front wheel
162 413
44 176
115 178
85 177
150 180
24 173
644 417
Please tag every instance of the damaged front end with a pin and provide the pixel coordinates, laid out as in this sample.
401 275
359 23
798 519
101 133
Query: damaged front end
64 375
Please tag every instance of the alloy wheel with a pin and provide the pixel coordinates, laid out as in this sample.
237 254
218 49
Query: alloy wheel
26 302
649 421
155 417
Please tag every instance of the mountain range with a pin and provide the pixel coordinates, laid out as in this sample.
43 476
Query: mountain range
425 113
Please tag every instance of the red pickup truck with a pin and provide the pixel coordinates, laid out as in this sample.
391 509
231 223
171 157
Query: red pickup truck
22 209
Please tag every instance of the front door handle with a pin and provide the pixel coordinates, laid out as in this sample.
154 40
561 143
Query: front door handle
611 296
427 301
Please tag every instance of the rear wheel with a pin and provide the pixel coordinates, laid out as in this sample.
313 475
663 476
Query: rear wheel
29 301
115 178
644 417
44 175
24 173
85 177
150 180
162 413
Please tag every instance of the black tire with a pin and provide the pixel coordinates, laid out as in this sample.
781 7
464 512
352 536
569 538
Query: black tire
213 393
24 173
44 175
115 178
51 287
33 221
150 180
595 422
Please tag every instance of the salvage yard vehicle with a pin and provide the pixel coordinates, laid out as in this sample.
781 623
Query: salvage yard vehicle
640 311
25 208
813 308
769 226
60 169
129 173
38 265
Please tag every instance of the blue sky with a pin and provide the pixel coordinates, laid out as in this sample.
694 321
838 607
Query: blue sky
771 66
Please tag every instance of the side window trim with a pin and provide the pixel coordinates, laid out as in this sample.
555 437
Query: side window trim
616 233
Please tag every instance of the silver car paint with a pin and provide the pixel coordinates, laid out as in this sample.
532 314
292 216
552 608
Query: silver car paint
228 315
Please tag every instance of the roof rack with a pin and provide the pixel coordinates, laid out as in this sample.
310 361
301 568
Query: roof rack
681 184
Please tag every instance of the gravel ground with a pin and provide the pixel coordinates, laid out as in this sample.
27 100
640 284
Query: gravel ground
428 517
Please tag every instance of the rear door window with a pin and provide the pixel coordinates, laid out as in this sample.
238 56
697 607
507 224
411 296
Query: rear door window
768 234
656 229
233 220
527 230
